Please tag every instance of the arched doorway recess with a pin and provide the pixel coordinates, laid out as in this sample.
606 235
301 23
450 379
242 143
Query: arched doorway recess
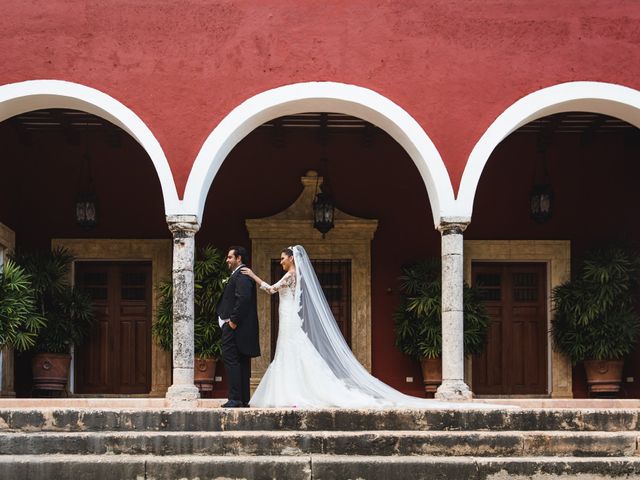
508 242
291 99
339 98
60 101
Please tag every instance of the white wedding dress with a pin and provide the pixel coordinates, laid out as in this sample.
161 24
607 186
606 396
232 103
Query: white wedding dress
298 376
313 366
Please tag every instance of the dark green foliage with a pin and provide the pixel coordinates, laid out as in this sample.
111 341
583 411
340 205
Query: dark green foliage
20 319
210 276
418 321
67 311
595 315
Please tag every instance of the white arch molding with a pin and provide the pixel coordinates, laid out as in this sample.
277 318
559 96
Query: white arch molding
21 97
325 97
597 97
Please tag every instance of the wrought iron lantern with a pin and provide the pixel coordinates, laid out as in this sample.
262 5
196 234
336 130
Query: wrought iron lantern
541 202
323 210
541 196
86 210
86 200
323 204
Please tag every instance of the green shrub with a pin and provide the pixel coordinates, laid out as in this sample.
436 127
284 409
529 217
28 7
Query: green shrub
418 319
20 319
595 315
210 276
67 311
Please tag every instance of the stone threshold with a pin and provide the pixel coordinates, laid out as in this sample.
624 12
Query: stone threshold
162 403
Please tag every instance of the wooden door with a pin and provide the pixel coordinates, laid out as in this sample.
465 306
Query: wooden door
515 359
335 279
116 359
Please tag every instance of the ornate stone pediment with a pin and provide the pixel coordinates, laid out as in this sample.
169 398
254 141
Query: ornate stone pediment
298 220
350 239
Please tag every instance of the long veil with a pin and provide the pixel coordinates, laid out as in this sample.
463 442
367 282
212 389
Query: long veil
321 328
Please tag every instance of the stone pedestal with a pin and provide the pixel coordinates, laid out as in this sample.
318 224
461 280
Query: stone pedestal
6 373
453 386
183 392
7 244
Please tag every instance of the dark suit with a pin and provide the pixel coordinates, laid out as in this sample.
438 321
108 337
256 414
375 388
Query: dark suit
238 303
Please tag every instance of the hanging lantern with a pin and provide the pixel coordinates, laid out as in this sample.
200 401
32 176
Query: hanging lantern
86 210
541 196
323 205
323 210
541 202
86 201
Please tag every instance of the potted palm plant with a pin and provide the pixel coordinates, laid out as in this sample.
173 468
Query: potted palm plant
595 316
210 276
418 320
67 315
20 318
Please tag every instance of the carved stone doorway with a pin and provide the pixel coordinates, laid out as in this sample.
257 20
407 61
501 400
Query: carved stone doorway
349 240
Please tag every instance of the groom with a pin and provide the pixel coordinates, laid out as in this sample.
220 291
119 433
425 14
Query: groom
238 318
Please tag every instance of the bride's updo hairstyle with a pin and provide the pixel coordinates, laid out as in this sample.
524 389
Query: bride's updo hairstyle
288 251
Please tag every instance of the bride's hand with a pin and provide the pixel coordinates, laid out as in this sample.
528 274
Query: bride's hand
247 271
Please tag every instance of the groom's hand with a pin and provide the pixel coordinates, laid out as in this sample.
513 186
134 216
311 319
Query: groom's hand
232 325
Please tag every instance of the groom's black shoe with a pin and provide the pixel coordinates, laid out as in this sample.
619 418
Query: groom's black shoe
232 404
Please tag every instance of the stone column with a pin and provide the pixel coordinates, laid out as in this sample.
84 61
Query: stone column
183 392
453 386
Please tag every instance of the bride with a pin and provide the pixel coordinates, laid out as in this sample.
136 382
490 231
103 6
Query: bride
313 366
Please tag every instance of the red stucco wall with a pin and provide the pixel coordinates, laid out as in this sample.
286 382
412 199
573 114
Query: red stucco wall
453 65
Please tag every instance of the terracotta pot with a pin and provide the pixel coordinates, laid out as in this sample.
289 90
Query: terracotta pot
50 371
204 372
431 373
604 376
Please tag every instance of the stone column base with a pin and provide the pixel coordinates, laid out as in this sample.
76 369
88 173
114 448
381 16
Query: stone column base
454 391
182 396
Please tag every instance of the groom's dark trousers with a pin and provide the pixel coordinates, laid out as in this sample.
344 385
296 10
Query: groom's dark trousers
236 365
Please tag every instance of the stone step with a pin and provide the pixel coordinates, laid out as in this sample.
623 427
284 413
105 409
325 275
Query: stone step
318 467
382 443
218 419
148 467
473 468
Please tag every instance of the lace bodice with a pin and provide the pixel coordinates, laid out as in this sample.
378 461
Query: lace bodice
286 286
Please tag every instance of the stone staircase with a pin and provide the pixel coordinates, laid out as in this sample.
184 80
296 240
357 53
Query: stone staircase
154 443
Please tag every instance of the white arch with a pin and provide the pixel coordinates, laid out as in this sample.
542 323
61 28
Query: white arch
21 97
325 97
605 98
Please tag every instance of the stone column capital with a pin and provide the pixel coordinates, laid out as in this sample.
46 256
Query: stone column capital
452 227
183 225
